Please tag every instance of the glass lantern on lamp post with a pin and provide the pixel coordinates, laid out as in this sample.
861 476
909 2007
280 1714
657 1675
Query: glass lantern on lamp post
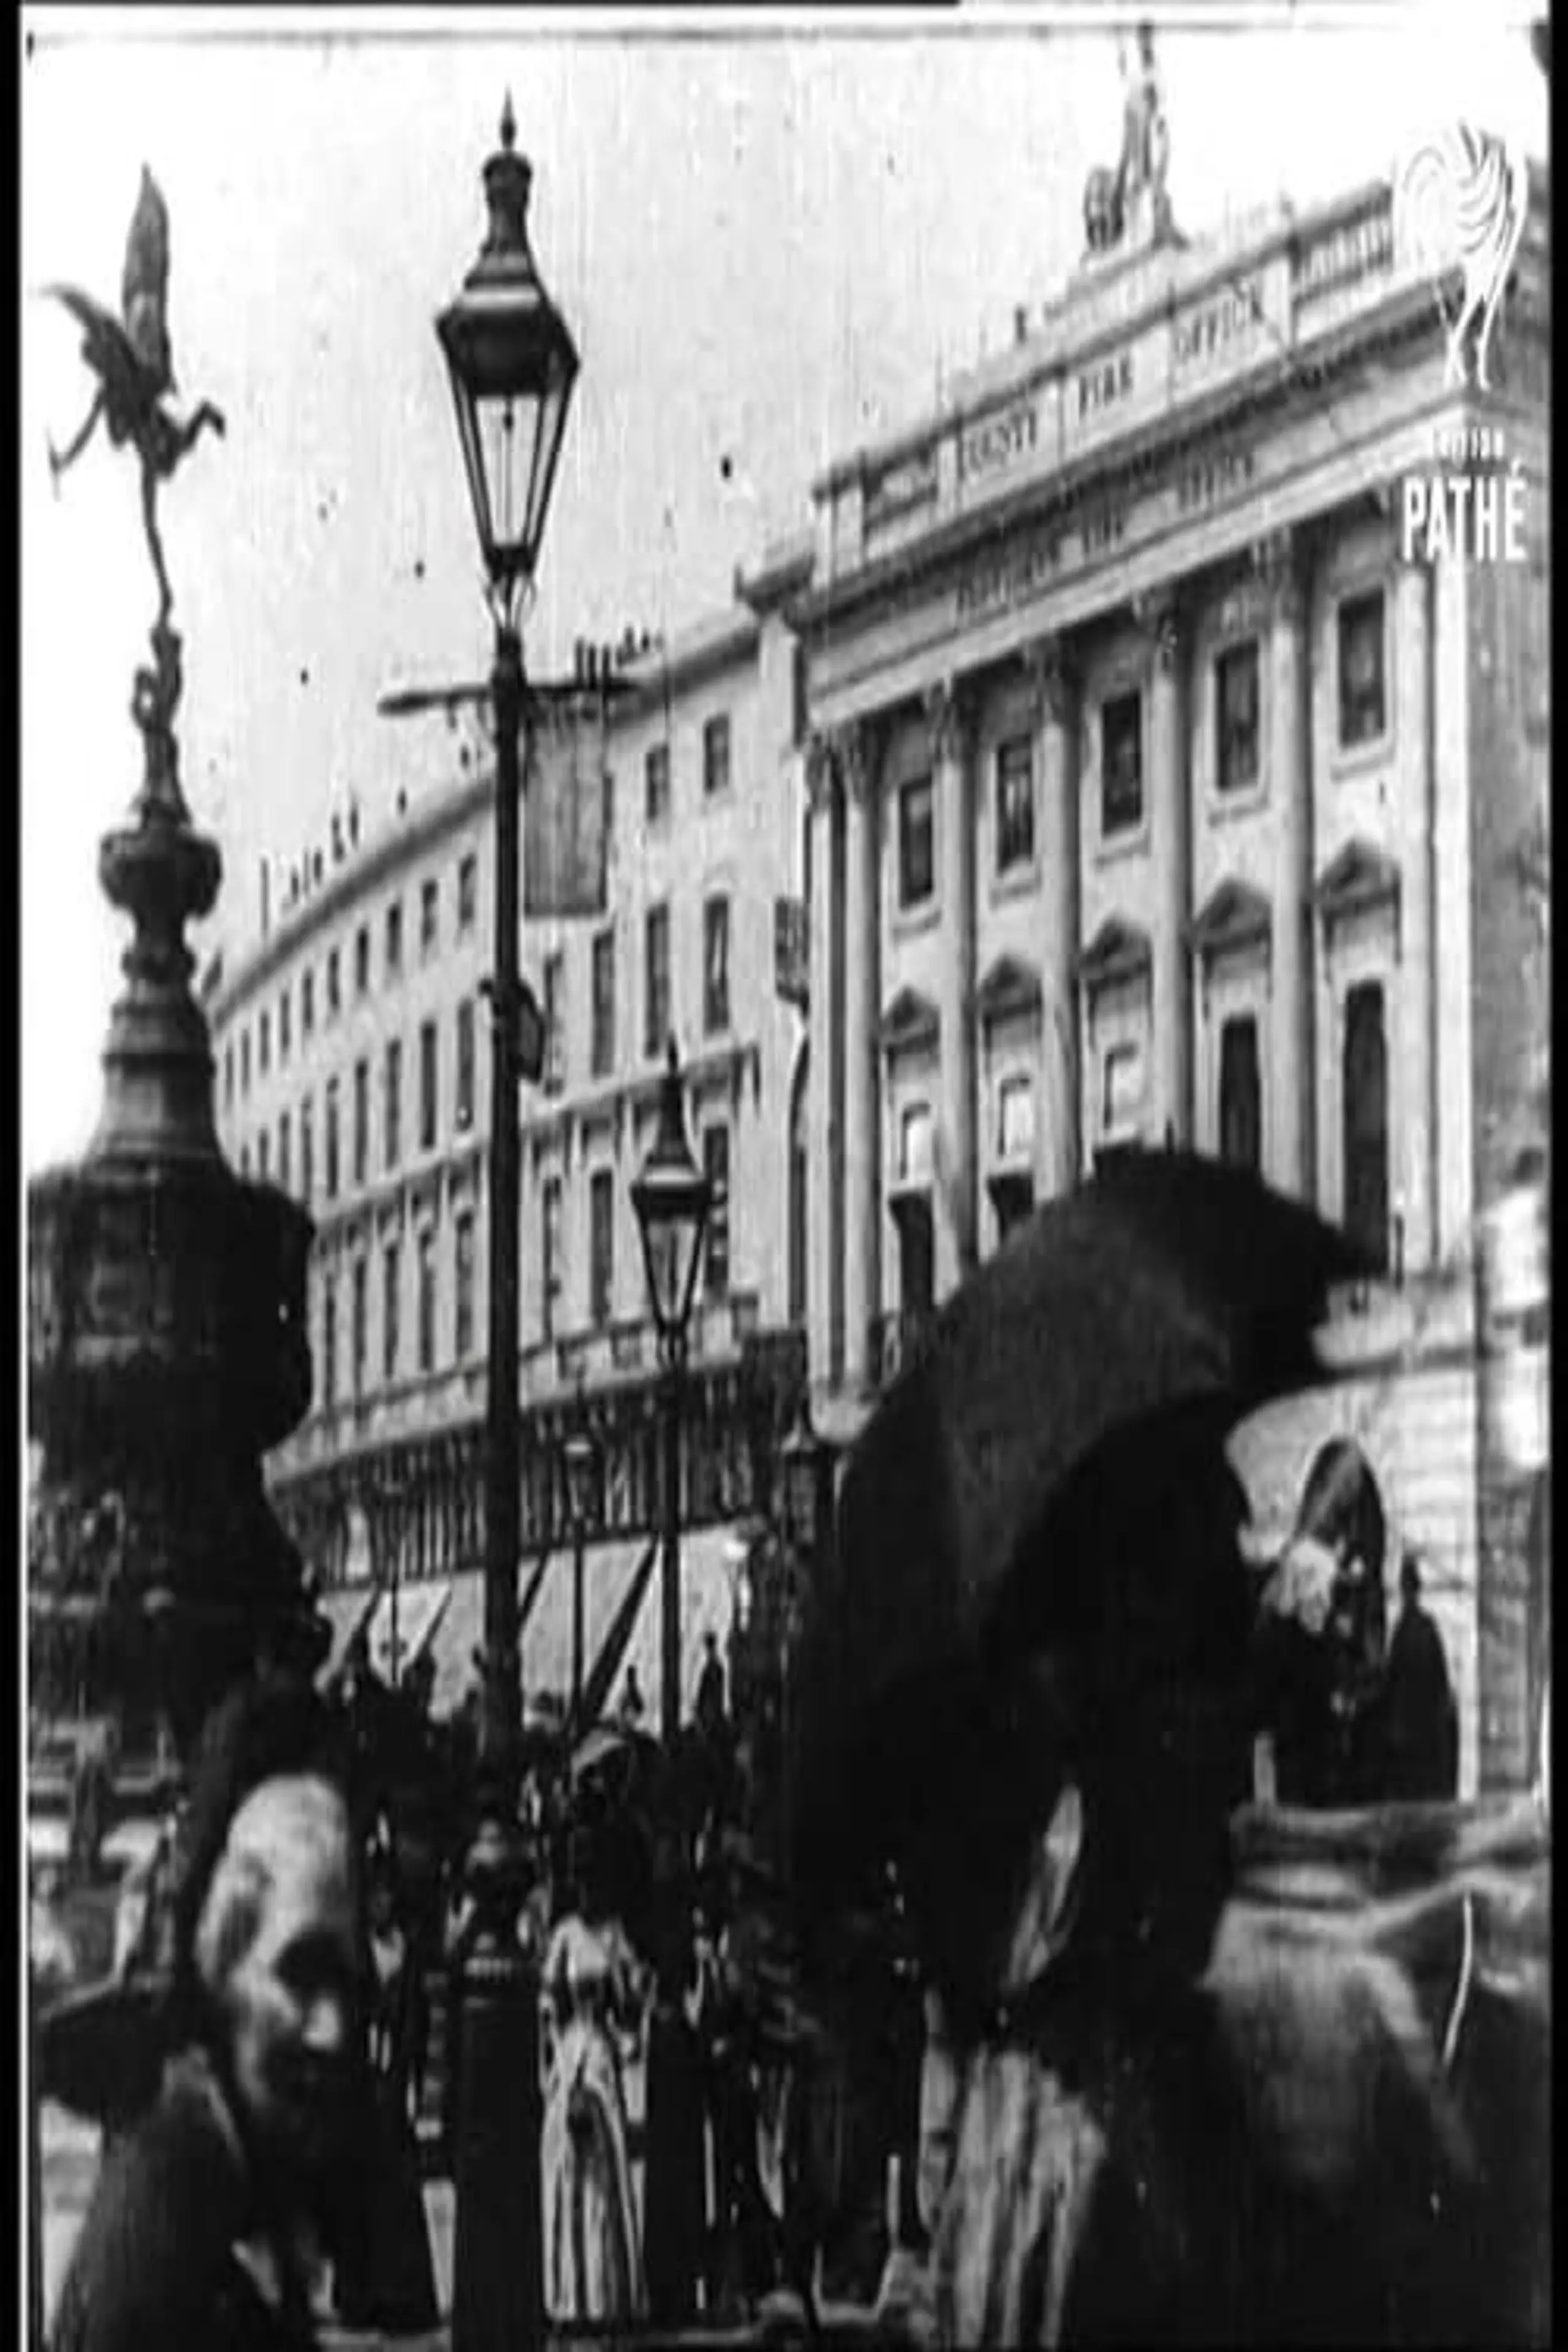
512 366
805 1483
672 1198
805 1462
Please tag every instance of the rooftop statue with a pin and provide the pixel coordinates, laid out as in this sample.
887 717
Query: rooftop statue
136 369
1129 204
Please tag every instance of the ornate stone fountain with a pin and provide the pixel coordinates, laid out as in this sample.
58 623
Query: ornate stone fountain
166 1334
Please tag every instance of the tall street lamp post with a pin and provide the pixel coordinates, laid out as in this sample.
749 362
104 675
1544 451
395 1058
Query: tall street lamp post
805 1482
671 1197
580 1458
513 365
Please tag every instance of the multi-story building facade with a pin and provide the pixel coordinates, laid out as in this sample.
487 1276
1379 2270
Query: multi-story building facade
1164 784
1141 773
352 1050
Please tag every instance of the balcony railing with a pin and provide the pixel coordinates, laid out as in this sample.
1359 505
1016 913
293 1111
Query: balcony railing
719 1330
896 1342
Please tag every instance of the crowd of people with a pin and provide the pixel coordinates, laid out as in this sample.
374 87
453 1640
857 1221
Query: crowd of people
311 1897
636 1920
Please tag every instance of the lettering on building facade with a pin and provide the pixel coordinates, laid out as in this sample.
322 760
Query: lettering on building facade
1101 386
1355 249
998 441
1012 579
1210 479
1216 325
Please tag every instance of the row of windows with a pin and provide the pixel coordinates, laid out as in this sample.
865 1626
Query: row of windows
656 1024
429 940
392 1311
1365 1149
715 1272
1123 1102
657 1013
715 769
601 1277
391 1137
1362 719
716 1013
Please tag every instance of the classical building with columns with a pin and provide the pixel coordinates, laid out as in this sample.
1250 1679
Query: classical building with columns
1164 784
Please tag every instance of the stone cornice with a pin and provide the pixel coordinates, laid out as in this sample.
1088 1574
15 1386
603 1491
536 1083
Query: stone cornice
1407 313
690 661
346 887
1196 272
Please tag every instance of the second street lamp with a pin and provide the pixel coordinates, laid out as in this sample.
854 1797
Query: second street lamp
513 365
805 1468
671 1197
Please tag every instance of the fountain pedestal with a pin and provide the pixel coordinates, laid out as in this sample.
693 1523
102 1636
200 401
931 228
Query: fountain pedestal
167 1347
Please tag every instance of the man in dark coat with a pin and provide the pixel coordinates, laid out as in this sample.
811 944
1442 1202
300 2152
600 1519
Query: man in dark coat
1420 1759
208 2218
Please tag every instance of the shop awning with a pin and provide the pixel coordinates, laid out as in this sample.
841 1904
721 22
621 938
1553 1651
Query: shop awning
345 1611
48 1837
403 1624
456 1638
710 1563
711 1560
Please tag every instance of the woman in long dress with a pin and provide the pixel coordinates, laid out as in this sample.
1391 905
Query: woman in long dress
593 2264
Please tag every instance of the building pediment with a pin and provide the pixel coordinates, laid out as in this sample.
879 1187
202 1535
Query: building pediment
1233 916
1118 950
911 1019
1010 985
1361 876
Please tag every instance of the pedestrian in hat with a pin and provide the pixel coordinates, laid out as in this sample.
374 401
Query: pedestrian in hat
1420 1722
211 2217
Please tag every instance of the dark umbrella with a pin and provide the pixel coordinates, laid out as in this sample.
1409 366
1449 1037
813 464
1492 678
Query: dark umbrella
1166 1281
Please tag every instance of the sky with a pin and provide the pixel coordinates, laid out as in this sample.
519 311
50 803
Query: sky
771 234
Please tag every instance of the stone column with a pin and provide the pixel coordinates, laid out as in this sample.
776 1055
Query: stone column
822 1270
1058 1144
1171 853
1453 884
950 717
1413 1058
857 755
1290 1160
